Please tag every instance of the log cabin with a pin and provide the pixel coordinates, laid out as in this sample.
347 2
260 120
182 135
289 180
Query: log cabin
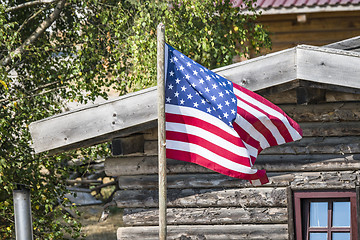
313 191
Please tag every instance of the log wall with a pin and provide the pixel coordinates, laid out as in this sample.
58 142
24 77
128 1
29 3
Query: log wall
203 204
319 29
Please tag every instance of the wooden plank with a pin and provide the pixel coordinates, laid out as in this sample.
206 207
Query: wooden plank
318 145
312 24
347 44
328 66
140 165
102 121
314 37
201 216
199 180
210 232
244 197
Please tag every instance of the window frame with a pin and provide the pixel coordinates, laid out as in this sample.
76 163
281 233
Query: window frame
302 197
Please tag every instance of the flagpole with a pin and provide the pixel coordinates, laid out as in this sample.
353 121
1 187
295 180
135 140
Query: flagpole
161 129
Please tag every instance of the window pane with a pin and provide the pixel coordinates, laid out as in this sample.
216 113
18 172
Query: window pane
318 236
341 214
341 236
318 214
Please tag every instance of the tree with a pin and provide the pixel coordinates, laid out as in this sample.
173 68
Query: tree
54 51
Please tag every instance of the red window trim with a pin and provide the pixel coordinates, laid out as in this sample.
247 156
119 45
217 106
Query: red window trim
300 195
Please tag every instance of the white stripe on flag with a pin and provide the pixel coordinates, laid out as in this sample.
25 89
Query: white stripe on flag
217 140
224 162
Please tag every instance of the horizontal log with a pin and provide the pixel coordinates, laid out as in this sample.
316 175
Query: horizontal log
325 112
198 180
318 145
326 180
211 232
200 216
326 141
244 197
216 180
339 96
140 165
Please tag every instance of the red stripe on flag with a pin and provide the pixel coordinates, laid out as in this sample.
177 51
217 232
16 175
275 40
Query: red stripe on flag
195 158
189 138
258 126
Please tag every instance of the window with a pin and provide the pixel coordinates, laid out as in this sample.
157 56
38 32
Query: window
325 215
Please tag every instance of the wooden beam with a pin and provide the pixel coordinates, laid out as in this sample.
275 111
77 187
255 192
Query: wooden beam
129 166
213 215
95 124
137 111
214 232
215 197
352 44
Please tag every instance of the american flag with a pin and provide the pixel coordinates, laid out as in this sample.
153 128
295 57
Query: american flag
218 124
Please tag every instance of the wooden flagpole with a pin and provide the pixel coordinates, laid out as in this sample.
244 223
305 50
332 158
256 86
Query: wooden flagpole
161 129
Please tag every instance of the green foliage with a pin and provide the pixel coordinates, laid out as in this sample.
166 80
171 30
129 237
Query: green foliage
94 46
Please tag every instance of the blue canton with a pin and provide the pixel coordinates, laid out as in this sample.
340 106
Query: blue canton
192 85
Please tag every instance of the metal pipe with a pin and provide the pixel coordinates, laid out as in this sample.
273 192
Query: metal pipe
22 212
161 129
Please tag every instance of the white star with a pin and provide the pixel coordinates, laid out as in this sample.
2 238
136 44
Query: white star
213 98
233 100
220 106
221 94
196 104
230 124
208 78
188 64
203 101
187 76
193 85
182 56
208 110
171 86
168 99
214 86
206 69
176 94
171 60
201 70
171 73
217 76
207 90
219 117
175 59
181 68
182 101
227 103
233 111
195 72
227 92
229 82
189 96
197 94
201 81
226 115
183 88
177 81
